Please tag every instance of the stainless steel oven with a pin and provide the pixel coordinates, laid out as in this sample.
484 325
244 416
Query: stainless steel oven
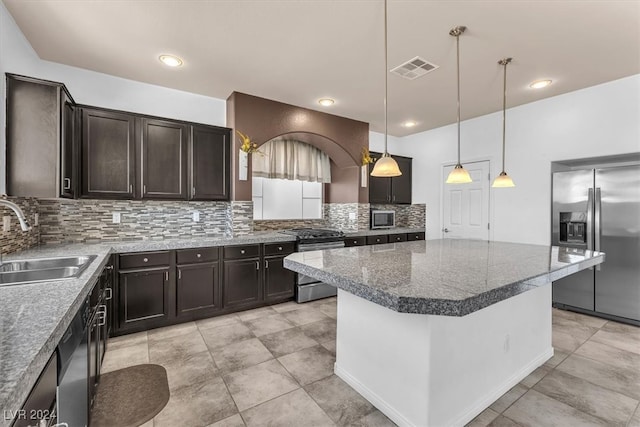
310 239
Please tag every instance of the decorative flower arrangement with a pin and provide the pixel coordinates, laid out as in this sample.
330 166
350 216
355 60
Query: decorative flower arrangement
366 157
247 146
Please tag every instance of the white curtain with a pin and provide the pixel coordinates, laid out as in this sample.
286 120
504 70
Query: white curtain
290 159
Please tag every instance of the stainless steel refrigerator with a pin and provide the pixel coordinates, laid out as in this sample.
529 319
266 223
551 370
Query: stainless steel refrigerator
599 209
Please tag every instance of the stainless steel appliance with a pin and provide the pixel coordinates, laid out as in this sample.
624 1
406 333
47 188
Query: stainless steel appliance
382 219
313 239
599 209
73 378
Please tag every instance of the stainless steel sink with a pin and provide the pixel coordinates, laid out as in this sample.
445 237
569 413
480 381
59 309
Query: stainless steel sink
43 269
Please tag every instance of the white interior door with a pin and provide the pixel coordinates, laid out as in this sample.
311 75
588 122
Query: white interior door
465 207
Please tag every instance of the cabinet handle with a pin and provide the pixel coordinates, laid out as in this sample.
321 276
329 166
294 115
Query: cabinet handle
166 276
145 259
102 315
131 188
193 191
67 184
198 256
257 265
144 189
394 197
279 248
109 294
266 264
242 251
109 267
179 274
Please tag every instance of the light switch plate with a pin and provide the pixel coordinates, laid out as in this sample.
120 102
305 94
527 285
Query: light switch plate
6 223
196 216
116 217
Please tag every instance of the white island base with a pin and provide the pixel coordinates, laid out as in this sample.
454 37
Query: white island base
426 370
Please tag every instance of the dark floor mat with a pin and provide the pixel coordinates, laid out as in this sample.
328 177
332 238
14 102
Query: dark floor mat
130 397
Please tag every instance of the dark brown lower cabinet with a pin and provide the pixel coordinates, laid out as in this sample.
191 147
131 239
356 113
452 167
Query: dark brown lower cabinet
242 282
198 289
279 282
143 298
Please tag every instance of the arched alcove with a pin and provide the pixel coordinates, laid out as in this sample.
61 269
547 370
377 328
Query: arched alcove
341 138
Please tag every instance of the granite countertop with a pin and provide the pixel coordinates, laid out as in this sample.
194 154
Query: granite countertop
382 231
33 317
441 277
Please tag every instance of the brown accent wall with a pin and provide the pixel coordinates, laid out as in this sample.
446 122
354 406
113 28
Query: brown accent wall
341 138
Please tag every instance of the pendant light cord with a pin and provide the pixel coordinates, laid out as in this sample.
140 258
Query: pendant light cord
504 113
385 78
458 76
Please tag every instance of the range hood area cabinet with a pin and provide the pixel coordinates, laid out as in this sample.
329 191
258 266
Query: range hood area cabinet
128 156
41 143
396 190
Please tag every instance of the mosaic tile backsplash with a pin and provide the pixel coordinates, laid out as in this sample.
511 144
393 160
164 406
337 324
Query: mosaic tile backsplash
15 239
92 220
77 221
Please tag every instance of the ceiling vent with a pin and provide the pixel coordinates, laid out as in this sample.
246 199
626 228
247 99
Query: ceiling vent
414 68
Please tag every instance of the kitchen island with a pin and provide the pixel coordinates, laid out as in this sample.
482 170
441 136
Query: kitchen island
433 332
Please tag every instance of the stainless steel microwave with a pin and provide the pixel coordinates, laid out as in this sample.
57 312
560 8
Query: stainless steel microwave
383 219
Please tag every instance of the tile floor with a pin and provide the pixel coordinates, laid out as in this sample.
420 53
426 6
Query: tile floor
273 366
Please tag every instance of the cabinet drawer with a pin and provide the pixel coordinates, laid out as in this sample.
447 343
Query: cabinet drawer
397 238
191 256
376 240
355 241
244 251
415 236
279 248
145 259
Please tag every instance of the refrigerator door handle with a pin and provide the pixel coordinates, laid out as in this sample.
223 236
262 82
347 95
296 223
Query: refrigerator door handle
590 219
597 221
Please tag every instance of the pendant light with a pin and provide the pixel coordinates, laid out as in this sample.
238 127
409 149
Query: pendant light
458 175
386 165
503 180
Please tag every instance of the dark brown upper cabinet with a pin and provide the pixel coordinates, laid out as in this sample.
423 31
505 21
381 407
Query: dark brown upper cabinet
164 159
108 154
395 190
210 163
40 139
129 156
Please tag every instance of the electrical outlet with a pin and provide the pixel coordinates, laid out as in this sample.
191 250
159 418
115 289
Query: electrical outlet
36 219
352 216
116 218
196 216
6 223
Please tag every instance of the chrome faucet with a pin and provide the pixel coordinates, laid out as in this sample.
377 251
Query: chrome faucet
15 208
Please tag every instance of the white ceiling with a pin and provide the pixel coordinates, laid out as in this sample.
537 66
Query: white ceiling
297 51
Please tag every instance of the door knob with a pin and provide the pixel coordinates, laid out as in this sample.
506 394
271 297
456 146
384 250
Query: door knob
446 230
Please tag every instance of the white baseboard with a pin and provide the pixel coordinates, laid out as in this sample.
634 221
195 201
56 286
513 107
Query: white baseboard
461 420
373 398
494 394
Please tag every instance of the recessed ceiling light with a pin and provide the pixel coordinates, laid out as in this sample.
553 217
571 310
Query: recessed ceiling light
170 60
325 102
409 124
539 84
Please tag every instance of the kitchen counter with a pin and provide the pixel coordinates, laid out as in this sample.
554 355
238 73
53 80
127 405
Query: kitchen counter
442 277
33 317
433 332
